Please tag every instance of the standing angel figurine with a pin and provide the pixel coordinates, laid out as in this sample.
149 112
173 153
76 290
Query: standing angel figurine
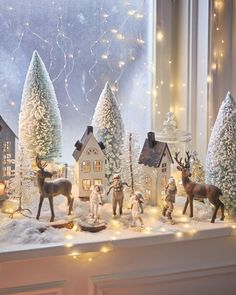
95 200
136 209
170 191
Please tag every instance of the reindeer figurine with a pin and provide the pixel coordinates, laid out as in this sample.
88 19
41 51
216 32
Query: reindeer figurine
201 191
50 189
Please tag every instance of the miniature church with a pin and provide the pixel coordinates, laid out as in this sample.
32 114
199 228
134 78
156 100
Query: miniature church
90 163
156 159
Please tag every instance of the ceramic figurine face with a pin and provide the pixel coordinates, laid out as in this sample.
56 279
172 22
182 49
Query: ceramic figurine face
97 188
117 182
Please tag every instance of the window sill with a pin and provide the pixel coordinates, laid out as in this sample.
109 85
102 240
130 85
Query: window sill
96 241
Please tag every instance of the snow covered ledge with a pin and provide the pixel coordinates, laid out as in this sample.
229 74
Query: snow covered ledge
192 255
199 262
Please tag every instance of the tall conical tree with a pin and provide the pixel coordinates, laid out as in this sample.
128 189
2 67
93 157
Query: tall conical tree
109 129
221 154
40 119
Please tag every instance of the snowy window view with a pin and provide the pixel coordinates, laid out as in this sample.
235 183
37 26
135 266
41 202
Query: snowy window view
83 44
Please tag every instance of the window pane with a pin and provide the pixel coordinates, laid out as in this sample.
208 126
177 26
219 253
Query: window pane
83 44
97 166
6 158
86 166
86 184
147 194
97 182
148 181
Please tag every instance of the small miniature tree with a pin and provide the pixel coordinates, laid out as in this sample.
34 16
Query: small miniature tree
21 187
40 120
109 129
131 170
221 154
197 169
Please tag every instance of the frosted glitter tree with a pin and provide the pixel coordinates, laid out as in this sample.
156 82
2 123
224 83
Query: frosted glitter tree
221 154
109 129
40 120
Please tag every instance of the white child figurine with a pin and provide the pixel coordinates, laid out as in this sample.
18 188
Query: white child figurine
136 209
170 191
95 201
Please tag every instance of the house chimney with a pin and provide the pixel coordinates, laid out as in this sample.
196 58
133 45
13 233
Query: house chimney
89 129
151 139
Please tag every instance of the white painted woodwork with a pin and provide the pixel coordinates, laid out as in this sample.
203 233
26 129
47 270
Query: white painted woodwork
161 264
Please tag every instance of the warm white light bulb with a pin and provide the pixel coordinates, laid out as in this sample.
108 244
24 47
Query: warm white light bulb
160 35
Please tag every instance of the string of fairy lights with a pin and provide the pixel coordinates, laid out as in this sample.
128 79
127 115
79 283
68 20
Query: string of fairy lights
218 57
107 39
218 46
188 231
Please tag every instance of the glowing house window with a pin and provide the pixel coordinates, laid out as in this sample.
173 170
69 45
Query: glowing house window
97 182
86 184
148 194
97 166
148 181
6 158
86 166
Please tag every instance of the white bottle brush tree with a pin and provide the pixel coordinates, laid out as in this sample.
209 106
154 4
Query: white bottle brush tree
21 187
109 129
40 120
221 154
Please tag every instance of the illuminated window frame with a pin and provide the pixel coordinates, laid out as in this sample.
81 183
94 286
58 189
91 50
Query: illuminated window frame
97 166
86 166
6 147
86 184
148 181
97 181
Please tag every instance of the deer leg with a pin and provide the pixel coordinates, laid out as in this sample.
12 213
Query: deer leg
70 201
185 205
51 207
114 205
215 213
222 208
40 206
191 207
120 205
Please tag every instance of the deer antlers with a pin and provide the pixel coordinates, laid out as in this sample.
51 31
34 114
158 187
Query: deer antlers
186 160
39 163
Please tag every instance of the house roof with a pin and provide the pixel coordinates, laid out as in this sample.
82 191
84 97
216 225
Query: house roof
81 144
1 119
153 151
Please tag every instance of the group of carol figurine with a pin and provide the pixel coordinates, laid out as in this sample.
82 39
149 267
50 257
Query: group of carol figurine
136 200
